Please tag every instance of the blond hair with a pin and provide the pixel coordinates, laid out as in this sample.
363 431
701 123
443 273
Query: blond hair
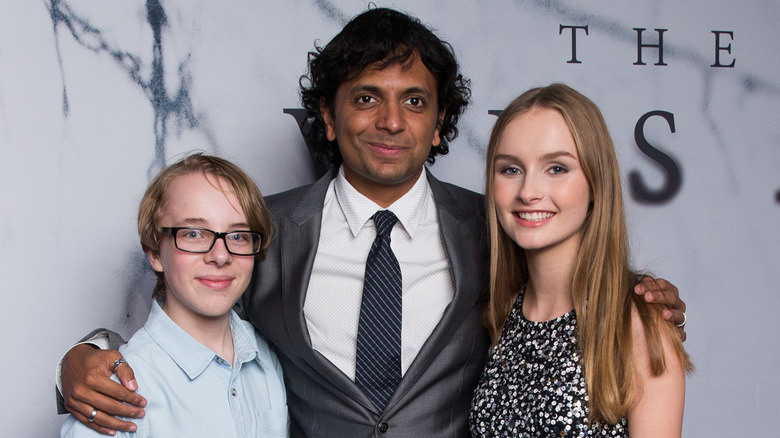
602 279
246 191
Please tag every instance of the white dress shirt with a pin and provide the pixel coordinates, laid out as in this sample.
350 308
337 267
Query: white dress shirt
333 298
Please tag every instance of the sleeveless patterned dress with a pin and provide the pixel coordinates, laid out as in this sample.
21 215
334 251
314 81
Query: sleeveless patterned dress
533 385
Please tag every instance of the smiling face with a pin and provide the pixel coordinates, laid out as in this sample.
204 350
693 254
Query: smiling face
540 190
385 122
201 287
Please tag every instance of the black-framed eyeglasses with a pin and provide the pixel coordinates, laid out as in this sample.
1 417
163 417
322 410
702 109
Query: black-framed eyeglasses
201 240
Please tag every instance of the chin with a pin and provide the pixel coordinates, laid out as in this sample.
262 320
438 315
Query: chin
217 310
531 244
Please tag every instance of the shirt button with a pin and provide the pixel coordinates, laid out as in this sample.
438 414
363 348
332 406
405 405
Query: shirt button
233 392
383 427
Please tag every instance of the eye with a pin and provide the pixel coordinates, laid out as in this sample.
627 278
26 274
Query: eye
365 99
415 101
191 233
557 169
510 170
239 237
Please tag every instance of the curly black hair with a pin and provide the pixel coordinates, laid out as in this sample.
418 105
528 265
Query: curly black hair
390 37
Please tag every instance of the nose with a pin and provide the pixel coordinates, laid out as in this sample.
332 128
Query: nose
530 189
219 254
390 117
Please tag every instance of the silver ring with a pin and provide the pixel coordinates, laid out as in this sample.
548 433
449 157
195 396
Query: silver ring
685 319
116 364
92 416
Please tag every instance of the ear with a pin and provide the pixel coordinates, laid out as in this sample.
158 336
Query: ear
439 121
327 117
154 260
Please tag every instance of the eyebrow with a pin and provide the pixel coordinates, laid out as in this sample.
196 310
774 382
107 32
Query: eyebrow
201 222
375 89
554 155
505 157
192 221
545 157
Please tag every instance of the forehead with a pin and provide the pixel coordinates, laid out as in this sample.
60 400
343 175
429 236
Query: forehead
538 131
408 74
199 195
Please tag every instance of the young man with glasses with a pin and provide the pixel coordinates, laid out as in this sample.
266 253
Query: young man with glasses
205 372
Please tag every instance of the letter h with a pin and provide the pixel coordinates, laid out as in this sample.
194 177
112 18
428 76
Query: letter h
640 46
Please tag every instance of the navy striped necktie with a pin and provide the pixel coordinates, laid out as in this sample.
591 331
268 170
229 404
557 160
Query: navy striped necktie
378 361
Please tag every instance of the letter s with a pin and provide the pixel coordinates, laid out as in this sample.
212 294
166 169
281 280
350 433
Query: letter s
639 190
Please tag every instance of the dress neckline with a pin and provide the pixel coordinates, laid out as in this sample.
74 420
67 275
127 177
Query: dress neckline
518 307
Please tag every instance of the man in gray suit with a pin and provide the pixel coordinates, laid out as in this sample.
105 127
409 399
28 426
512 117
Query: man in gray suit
383 98
379 113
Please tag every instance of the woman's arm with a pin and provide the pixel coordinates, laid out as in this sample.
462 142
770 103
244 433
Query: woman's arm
658 409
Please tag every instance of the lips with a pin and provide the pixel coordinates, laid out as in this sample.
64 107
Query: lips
217 282
534 216
532 219
386 149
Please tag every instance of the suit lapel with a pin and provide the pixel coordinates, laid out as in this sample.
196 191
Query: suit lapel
299 234
299 238
460 232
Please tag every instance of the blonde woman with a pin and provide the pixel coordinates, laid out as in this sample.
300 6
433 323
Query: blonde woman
575 351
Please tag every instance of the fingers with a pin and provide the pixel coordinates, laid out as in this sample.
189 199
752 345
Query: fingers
660 291
111 397
99 391
652 285
92 425
681 333
127 377
108 400
86 385
678 319
102 422
86 377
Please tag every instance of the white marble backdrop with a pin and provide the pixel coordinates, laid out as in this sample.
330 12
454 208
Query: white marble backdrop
95 95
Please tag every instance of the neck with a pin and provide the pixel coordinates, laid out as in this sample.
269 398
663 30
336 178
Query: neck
383 193
213 333
548 293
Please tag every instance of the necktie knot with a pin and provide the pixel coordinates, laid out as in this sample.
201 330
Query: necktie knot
384 221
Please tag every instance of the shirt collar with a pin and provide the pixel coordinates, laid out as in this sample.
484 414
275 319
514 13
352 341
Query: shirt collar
189 354
410 209
245 344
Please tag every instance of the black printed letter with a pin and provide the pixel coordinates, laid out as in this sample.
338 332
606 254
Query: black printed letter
573 59
719 48
639 191
640 46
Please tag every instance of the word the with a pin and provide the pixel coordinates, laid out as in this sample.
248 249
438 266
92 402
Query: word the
720 45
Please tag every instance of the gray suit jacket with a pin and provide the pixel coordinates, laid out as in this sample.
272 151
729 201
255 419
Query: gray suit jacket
433 398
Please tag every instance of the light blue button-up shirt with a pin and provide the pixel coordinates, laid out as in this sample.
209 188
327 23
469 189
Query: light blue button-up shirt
192 392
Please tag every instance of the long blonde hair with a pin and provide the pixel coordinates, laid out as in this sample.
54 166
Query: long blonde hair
602 279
